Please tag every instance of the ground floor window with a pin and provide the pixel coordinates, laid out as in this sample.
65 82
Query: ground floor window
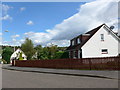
74 54
69 54
80 53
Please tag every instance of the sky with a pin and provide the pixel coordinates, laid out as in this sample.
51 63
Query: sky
54 22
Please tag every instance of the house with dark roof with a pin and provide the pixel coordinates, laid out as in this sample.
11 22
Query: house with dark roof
98 42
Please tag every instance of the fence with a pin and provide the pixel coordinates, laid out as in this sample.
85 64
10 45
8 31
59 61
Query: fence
105 63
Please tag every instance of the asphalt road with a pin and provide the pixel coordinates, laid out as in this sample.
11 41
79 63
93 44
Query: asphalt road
0 76
18 79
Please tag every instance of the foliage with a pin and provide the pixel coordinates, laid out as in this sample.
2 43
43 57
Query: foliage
61 48
16 47
65 55
61 55
58 54
46 52
50 52
52 49
39 50
28 48
6 54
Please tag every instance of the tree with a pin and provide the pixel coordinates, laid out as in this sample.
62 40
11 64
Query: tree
28 48
61 55
52 50
58 55
6 54
46 52
43 53
39 51
65 55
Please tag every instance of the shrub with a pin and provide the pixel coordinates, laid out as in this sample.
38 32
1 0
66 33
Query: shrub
20 56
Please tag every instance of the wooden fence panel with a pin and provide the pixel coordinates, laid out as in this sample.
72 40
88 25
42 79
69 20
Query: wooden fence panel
105 63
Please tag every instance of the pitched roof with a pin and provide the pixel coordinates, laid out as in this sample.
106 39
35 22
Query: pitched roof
91 33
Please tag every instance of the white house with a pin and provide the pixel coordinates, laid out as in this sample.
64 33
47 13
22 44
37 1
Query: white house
1 62
16 54
99 42
0 56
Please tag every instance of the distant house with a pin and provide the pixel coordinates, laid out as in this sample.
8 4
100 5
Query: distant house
99 42
35 55
15 55
1 62
0 56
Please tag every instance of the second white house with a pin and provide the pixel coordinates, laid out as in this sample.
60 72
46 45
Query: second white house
99 42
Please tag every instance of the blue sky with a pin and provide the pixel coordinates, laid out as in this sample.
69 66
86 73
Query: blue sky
44 15
54 22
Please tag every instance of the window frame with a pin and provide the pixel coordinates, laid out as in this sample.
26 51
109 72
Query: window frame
102 37
78 40
104 51
73 42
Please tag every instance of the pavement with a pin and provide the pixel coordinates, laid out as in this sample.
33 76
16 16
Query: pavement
88 73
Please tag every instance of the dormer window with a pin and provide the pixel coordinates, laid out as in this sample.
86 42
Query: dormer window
78 40
102 37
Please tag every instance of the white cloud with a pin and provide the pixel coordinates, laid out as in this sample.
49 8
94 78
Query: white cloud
90 15
6 17
39 38
15 36
0 40
30 22
59 42
5 9
1 33
22 9
11 43
22 40
14 40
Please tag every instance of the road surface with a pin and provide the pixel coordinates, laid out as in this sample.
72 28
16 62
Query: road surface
19 79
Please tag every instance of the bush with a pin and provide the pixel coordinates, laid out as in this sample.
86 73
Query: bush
20 56
65 55
61 55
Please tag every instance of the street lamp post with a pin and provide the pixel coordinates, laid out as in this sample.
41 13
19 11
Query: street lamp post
8 31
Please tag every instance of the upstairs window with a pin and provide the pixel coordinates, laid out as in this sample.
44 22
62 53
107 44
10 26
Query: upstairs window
78 40
104 51
73 42
102 37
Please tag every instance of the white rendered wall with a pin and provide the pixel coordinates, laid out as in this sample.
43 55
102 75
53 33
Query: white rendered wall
15 54
93 47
